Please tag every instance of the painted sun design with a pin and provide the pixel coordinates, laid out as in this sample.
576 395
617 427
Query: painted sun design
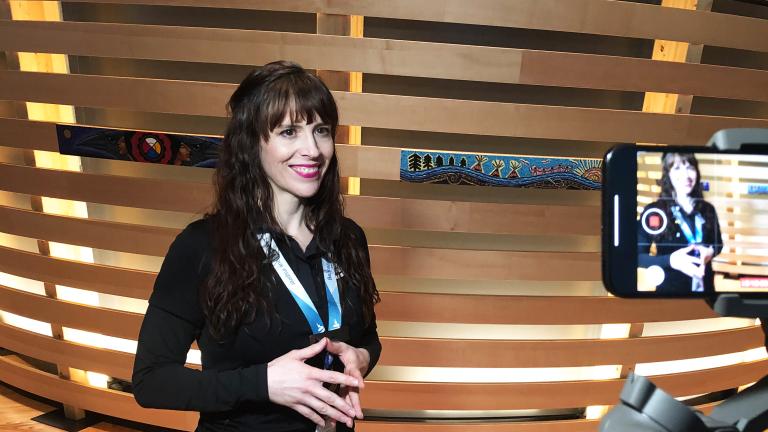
590 169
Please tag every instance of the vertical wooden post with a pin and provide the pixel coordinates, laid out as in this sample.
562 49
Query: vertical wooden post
673 51
352 26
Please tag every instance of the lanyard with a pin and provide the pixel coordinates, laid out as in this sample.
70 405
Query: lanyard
299 293
698 222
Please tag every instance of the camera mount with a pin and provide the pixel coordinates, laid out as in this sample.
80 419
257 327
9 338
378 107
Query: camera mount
646 408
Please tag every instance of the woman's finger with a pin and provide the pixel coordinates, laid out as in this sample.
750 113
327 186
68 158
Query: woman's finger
310 351
354 398
310 414
355 373
332 407
332 377
337 347
332 400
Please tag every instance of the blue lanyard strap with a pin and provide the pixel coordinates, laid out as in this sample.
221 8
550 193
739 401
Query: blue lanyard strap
299 293
698 222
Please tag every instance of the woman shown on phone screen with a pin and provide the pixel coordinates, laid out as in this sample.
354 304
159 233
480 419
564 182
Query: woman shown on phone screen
679 234
274 283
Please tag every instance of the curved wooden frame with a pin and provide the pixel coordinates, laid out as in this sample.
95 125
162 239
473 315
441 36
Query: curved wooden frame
111 322
95 277
420 352
104 401
382 56
498 396
577 16
420 307
381 111
472 353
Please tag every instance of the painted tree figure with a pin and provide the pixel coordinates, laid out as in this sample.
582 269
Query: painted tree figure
463 162
451 161
426 162
414 162
439 161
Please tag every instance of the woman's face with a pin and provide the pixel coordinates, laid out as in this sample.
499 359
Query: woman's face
683 177
296 156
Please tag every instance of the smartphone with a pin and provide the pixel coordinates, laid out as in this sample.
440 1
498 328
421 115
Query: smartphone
684 222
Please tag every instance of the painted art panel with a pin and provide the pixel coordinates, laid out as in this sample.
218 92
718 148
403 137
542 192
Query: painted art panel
138 146
420 166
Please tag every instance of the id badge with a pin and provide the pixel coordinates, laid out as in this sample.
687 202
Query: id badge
697 284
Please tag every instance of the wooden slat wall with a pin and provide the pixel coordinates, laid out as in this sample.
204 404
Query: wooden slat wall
493 237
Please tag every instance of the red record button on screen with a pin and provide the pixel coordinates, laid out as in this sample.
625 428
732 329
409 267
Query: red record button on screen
654 221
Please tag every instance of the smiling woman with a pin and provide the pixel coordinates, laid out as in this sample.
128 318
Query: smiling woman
274 284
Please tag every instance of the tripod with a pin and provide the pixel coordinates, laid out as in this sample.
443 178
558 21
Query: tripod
646 408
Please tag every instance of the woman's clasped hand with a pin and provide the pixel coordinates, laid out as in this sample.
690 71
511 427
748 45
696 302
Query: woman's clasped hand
295 384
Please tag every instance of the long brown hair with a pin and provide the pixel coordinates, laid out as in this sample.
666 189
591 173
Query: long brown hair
668 195
241 278
667 162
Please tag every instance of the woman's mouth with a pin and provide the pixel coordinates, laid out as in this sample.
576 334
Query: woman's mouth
306 171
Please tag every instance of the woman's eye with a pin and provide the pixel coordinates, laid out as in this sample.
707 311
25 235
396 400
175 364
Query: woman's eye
288 132
323 130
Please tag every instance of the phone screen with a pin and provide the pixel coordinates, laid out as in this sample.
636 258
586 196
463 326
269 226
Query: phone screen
695 224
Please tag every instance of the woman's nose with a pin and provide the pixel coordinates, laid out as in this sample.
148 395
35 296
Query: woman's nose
309 146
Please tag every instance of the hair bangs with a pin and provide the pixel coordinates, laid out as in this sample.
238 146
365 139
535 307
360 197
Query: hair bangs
299 99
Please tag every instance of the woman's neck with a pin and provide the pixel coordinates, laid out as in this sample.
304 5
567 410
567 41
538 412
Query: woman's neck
686 203
289 211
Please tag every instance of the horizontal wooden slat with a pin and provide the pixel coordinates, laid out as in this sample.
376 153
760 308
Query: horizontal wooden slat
95 277
381 111
544 395
385 260
116 364
90 318
745 258
534 121
30 135
123 237
370 212
477 309
105 401
485 265
122 404
113 363
745 244
564 353
456 216
436 352
744 230
107 189
381 56
745 270
745 203
578 16
580 425
395 306
484 426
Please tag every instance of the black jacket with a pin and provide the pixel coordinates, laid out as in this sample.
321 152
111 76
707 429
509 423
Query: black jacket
231 390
